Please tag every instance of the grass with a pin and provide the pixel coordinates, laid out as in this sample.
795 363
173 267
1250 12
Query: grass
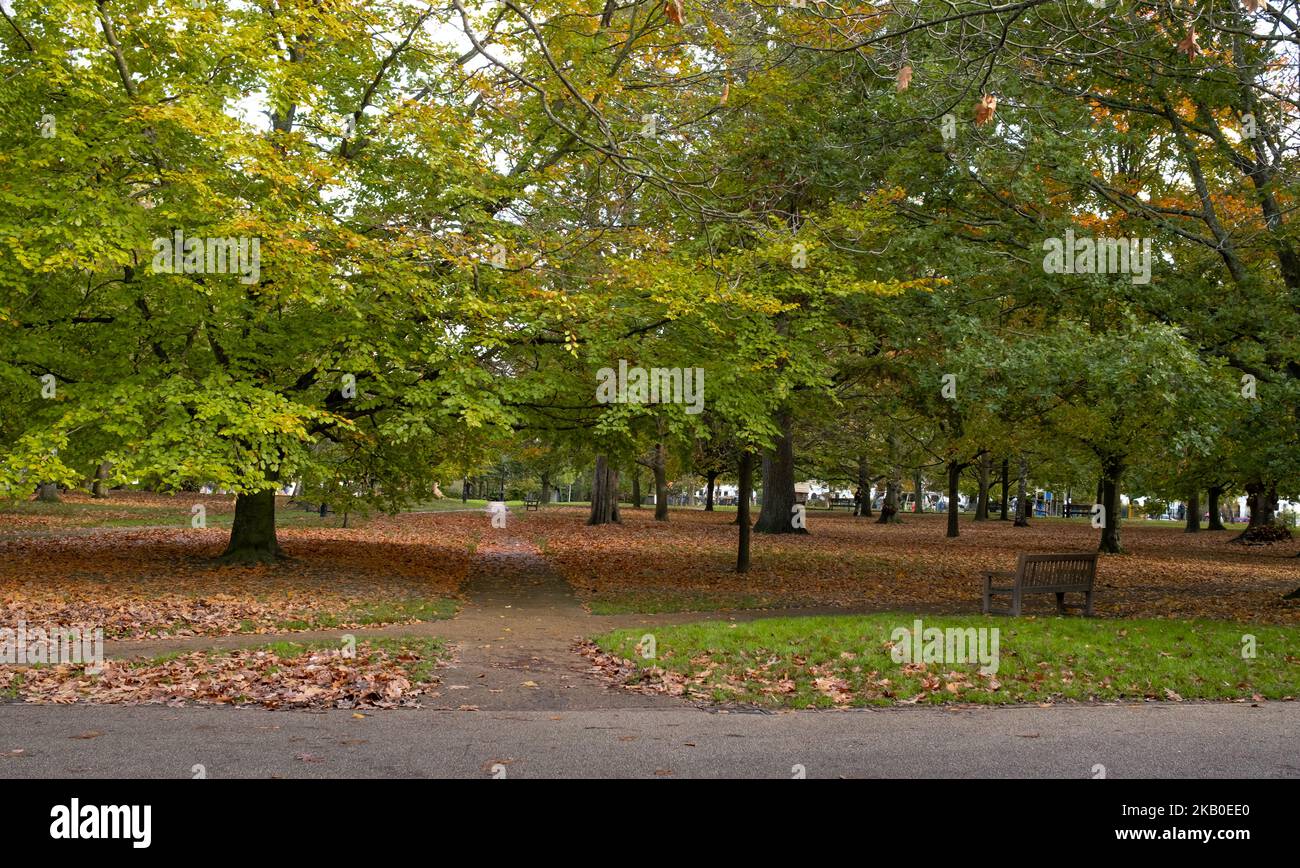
847 660
172 513
380 612
426 652
13 689
656 602
454 504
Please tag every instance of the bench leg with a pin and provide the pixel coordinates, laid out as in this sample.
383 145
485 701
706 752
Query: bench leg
1060 602
1087 604
1015 603
988 592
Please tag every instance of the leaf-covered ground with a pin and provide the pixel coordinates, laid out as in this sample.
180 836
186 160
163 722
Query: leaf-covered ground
847 661
139 583
382 674
687 562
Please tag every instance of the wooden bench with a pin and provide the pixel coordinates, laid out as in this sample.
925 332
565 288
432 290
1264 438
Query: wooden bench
532 502
1070 510
837 502
1058 574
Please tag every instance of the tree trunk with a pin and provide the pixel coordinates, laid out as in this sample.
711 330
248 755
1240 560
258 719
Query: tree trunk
889 506
1112 471
1193 512
954 478
1006 495
1261 500
48 492
1024 509
982 500
708 495
778 482
464 489
744 493
862 497
546 489
252 536
636 488
660 468
918 486
100 487
1216 517
604 493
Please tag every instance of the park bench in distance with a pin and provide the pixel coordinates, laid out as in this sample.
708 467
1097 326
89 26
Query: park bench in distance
1060 574
532 502
1070 510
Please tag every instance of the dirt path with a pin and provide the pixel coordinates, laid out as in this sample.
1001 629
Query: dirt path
512 641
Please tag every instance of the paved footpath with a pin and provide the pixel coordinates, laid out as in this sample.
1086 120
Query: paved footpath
1154 740
517 701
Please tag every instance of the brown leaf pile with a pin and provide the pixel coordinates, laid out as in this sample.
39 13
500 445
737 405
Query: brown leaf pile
320 678
621 672
139 583
854 562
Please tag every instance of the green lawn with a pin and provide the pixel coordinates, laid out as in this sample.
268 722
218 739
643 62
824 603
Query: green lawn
379 612
176 513
423 654
847 660
651 601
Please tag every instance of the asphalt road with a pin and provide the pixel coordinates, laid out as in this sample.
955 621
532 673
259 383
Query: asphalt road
1150 740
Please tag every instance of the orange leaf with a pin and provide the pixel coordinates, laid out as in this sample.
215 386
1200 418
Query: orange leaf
904 77
673 9
1188 46
985 108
